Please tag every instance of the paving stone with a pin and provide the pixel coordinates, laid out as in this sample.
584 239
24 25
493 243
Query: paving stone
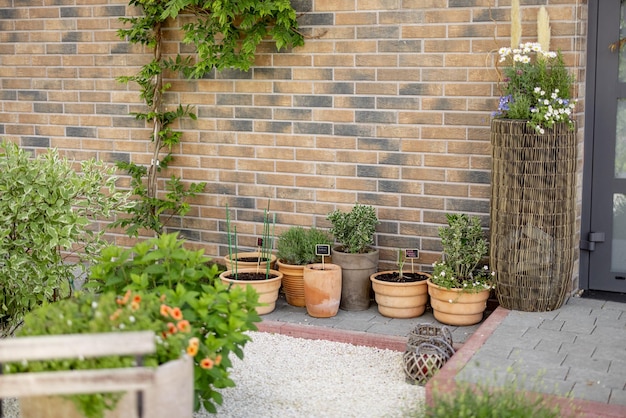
578 348
607 316
591 392
534 334
537 356
592 377
552 324
613 353
490 362
586 363
525 319
580 326
549 345
389 329
615 305
618 397
573 312
585 302
537 369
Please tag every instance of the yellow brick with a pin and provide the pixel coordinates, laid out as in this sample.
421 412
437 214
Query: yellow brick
334 5
420 118
328 115
422 145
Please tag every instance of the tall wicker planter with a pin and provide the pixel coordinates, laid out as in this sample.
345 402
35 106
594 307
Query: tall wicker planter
533 214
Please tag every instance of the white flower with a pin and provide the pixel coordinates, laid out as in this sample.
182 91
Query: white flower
122 326
94 304
131 319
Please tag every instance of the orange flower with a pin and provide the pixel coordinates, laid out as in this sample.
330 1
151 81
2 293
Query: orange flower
183 326
176 313
115 315
171 328
218 359
137 298
124 300
194 342
206 363
165 310
192 350
134 305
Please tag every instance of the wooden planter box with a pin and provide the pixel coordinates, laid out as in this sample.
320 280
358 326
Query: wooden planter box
164 392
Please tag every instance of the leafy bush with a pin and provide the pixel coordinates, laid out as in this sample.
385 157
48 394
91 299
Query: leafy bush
355 229
297 245
219 315
47 210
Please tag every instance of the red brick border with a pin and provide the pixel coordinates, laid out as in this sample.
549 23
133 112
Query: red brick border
312 332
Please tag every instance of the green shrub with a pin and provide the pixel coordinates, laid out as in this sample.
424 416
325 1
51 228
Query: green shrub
297 245
355 229
219 315
47 210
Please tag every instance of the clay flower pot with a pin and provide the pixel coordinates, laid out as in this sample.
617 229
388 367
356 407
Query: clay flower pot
398 299
456 306
248 260
322 289
266 288
293 283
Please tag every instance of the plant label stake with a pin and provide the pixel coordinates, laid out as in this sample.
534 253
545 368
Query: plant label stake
412 254
322 250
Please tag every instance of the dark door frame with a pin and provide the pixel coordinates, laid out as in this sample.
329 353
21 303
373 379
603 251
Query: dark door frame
589 118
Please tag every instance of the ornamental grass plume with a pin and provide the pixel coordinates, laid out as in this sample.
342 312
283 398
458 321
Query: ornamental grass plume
536 86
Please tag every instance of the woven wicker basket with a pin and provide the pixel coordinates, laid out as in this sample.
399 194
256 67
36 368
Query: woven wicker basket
533 214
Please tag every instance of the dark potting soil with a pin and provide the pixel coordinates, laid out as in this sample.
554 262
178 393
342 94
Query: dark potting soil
249 276
406 277
252 259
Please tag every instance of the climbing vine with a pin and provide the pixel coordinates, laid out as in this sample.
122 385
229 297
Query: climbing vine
225 34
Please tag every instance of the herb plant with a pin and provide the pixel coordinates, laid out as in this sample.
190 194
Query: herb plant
297 245
464 248
355 229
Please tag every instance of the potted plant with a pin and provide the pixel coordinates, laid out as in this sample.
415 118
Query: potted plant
354 231
460 284
260 258
295 249
400 293
259 276
172 390
534 157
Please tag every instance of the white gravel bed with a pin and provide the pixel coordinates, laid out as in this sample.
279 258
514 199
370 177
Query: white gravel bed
283 376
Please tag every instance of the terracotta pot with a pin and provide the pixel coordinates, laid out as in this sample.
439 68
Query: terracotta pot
456 307
293 283
356 269
249 264
267 289
171 395
322 289
400 300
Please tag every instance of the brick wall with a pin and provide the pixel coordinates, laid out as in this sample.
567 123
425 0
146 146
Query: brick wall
388 104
